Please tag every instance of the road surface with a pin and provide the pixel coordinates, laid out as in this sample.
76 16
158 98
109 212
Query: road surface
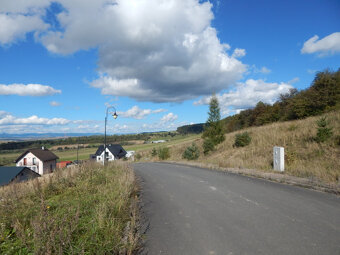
191 210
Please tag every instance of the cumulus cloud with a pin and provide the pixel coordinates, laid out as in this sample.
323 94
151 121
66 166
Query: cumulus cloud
17 18
27 90
248 94
239 53
54 103
170 117
138 113
149 50
326 46
8 119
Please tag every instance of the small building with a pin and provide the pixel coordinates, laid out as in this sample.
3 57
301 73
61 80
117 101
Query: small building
113 152
63 164
41 161
11 174
130 154
159 141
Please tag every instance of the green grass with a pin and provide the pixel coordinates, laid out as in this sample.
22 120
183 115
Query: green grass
86 210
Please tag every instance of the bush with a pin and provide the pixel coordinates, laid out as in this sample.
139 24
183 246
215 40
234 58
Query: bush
138 156
153 152
192 152
324 132
242 140
208 145
164 153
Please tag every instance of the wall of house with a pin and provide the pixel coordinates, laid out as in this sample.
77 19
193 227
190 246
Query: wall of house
110 156
25 175
37 167
47 166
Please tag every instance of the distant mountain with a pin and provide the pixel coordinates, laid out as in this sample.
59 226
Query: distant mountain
29 136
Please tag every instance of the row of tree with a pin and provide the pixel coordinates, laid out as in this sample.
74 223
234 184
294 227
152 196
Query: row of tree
322 96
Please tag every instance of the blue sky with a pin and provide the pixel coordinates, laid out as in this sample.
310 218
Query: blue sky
157 62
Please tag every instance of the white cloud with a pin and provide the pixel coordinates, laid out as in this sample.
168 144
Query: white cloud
170 117
19 18
54 103
239 53
263 69
8 119
248 94
149 50
27 90
326 46
138 113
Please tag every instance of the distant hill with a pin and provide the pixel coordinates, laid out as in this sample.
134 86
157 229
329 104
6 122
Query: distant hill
29 136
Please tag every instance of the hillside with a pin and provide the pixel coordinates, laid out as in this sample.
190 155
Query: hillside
304 157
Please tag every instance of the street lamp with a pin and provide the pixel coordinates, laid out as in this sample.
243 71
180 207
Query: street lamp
115 115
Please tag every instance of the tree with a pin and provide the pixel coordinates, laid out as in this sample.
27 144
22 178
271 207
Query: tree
213 131
324 132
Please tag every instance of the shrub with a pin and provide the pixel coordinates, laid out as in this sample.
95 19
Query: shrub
242 140
153 152
208 145
164 153
324 132
192 152
138 156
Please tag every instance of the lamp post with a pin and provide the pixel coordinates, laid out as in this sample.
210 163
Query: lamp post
115 115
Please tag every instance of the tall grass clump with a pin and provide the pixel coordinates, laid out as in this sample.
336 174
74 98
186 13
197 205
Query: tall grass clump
86 210
164 153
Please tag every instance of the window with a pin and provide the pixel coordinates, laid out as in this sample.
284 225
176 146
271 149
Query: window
34 161
25 161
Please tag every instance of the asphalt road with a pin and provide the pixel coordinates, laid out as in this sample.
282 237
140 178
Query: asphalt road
191 210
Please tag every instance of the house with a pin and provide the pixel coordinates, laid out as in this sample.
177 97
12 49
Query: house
10 174
113 152
41 161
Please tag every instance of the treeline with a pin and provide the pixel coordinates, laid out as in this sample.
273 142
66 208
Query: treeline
95 139
191 129
322 96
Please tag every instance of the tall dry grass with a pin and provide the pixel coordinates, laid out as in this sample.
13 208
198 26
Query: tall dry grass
304 157
85 210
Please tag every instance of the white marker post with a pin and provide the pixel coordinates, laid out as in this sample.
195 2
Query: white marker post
279 158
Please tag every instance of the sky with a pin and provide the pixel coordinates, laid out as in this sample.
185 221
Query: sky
157 62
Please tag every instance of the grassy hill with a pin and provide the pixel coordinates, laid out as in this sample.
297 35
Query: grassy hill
304 157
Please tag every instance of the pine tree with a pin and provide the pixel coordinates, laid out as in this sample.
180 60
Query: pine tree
213 133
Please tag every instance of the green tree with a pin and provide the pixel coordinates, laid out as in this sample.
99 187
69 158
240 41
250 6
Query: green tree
214 128
324 132
192 152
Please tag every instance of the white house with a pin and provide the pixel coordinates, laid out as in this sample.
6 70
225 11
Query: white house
159 141
41 161
113 152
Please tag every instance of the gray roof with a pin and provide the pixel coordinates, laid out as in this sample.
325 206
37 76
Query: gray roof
8 173
116 149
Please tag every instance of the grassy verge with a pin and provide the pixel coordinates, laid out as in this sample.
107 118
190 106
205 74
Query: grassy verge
85 210
304 156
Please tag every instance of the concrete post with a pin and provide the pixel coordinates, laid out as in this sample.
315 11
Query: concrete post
279 158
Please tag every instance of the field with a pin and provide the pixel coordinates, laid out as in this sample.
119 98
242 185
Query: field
84 210
84 153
